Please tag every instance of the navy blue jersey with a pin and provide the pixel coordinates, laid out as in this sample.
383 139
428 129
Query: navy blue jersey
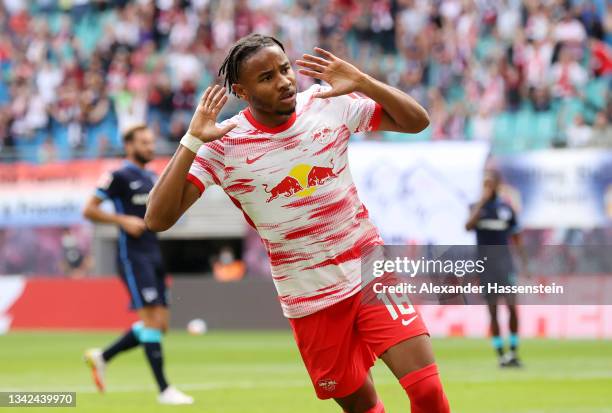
496 222
128 188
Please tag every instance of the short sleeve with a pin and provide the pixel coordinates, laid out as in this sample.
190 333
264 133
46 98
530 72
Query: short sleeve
208 166
108 186
359 112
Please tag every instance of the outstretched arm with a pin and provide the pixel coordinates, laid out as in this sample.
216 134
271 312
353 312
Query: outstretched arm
172 194
401 113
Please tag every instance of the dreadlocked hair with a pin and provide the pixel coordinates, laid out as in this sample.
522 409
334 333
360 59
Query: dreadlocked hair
239 52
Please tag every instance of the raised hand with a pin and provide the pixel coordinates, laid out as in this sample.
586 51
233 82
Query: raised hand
203 123
343 77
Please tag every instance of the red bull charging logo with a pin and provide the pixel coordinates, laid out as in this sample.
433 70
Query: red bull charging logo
301 181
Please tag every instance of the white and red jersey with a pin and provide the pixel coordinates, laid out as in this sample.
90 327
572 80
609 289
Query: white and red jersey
294 185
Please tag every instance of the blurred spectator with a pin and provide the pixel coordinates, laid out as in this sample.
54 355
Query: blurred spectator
483 126
66 111
569 30
75 262
47 151
126 29
567 76
538 20
540 99
438 114
579 134
512 84
83 70
227 267
601 58
607 23
161 104
45 250
95 104
590 18
508 20
7 142
300 28
602 132
48 79
537 60
411 81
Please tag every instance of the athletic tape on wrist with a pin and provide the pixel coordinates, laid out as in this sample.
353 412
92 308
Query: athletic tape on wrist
191 142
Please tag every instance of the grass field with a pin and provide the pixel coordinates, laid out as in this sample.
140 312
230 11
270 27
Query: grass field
262 372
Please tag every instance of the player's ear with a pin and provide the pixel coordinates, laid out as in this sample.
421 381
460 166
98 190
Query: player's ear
240 91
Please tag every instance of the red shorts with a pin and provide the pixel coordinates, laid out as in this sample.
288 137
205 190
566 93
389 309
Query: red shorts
340 343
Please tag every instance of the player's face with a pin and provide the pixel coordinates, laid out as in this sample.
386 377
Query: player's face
267 82
142 148
490 183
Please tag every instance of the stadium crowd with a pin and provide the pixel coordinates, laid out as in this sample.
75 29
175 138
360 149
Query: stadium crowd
520 74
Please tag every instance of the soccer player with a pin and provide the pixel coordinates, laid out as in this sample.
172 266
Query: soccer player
139 261
283 161
495 224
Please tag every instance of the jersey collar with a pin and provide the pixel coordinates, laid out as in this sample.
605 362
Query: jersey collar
129 164
268 129
494 201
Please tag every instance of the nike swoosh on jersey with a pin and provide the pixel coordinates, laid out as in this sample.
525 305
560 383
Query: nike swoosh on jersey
250 161
407 322
135 184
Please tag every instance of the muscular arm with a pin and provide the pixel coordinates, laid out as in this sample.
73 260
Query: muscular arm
93 212
131 224
172 194
163 210
401 113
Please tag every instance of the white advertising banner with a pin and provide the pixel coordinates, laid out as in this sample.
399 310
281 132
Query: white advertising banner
562 188
419 193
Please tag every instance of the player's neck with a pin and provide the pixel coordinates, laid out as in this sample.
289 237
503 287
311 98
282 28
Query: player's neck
271 120
135 162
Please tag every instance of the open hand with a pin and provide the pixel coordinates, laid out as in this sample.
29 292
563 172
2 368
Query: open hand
343 77
203 123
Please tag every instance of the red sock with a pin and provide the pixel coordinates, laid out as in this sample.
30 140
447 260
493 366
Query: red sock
425 391
379 408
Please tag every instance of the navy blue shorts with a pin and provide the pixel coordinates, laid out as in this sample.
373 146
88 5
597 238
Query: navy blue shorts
144 276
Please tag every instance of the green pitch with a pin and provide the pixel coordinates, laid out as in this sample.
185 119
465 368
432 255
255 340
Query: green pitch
251 372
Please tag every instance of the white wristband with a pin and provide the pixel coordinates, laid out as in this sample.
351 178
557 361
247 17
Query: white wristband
191 142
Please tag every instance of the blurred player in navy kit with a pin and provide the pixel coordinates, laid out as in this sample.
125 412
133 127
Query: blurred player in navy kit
139 260
495 224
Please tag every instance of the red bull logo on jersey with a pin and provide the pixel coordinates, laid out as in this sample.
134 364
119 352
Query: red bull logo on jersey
323 135
302 180
287 187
